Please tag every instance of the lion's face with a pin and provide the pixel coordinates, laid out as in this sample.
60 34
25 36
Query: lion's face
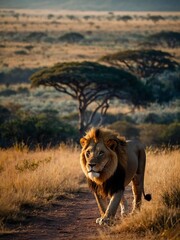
97 156
98 160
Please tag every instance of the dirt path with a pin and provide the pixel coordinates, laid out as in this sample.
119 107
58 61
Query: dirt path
70 218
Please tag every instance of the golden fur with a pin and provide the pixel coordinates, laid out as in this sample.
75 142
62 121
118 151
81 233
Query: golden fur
106 141
109 163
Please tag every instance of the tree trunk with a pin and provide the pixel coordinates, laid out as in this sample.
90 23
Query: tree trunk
82 128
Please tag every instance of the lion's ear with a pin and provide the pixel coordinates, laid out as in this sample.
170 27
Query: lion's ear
122 141
83 141
112 144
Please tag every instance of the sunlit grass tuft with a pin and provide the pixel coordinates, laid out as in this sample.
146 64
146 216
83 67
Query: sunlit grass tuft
35 177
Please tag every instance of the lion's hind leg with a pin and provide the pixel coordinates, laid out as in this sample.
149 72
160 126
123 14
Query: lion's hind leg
137 189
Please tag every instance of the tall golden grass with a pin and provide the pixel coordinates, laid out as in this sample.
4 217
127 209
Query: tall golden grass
35 177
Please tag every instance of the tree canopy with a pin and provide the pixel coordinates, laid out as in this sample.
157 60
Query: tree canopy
91 82
142 63
169 39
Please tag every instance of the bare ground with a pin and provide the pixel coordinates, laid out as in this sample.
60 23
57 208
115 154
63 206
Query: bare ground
71 217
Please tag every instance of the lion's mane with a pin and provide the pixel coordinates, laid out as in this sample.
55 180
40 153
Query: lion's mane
111 180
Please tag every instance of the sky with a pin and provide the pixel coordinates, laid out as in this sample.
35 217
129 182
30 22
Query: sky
107 5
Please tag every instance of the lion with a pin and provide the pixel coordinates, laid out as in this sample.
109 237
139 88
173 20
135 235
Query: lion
110 163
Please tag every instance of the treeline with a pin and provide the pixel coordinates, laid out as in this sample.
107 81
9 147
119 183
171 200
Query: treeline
47 130
43 130
150 134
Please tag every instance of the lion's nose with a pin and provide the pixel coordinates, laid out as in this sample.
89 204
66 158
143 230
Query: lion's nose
92 165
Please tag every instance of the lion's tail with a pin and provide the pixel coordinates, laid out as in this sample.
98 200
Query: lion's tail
147 197
142 155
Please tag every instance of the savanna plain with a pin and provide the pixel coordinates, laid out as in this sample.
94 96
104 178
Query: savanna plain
34 176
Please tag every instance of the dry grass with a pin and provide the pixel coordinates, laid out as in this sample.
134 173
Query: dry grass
35 177
100 30
160 218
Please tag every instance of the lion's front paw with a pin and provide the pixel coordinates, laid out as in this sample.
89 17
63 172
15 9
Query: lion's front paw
105 221
98 220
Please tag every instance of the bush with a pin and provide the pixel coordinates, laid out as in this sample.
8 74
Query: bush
16 75
36 36
112 118
167 39
21 52
171 134
160 134
8 92
164 118
72 37
126 129
165 87
43 130
150 134
5 114
23 90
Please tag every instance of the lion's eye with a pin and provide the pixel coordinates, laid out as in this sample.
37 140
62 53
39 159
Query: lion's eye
87 154
101 153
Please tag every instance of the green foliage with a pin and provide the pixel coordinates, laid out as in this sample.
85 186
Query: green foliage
80 73
8 92
16 75
43 130
90 82
124 18
23 90
164 118
150 134
171 134
126 129
165 87
36 36
165 38
158 134
5 114
155 18
21 52
81 77
71 37
149 65
143 63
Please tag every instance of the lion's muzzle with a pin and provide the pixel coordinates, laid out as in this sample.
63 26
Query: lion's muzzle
91 167
92 172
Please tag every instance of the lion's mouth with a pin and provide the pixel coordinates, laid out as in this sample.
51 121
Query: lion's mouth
93 171
93 174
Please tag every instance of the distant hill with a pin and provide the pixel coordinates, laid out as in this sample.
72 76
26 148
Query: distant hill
98 5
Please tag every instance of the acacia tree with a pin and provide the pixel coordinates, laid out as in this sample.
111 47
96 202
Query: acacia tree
165 38
142 63
90 82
